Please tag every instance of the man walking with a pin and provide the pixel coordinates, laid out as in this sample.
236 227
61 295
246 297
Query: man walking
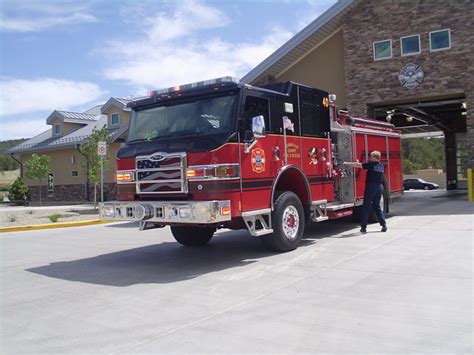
373 189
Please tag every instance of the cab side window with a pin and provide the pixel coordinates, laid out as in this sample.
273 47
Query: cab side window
310 112
256 106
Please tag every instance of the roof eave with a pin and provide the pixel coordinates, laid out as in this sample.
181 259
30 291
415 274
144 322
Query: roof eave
115 103
78 121
37 148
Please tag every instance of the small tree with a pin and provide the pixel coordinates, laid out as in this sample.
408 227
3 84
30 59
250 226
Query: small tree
18 191
90 157
38 168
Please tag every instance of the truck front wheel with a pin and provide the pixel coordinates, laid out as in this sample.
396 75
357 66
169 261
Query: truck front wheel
288 223
192 236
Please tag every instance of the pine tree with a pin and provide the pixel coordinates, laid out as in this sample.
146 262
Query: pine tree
18 191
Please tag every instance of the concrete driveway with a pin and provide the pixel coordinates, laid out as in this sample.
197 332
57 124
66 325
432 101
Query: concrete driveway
111 288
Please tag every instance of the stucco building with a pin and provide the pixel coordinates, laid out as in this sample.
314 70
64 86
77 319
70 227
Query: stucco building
68 180
407 61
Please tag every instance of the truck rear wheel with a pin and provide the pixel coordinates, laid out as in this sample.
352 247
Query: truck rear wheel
384 205
384 200
192 236
288 223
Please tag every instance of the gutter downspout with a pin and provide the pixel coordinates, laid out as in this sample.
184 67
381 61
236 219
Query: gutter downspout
87 173
19 163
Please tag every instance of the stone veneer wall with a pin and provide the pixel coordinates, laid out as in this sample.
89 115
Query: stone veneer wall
447 72
72 193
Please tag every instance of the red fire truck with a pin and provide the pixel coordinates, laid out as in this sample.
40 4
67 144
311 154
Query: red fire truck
222 154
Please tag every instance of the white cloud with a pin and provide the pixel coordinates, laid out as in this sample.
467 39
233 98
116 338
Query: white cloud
23 96
188 17
40 24
14 128
314 10
178 47
39 16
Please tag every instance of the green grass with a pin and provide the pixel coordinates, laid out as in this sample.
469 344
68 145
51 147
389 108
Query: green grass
54 217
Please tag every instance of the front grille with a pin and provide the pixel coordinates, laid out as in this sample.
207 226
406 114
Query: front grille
167 162
161 173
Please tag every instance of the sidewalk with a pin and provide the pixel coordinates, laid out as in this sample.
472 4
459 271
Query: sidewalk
15 216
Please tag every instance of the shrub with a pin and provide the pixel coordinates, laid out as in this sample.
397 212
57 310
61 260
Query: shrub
18 191
54 217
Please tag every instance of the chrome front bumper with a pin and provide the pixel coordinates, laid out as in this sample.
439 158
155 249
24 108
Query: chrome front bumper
167 212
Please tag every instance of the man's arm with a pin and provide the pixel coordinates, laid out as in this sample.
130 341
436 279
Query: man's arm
355 164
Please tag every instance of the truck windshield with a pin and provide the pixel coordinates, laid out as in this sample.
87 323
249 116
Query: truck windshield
198 116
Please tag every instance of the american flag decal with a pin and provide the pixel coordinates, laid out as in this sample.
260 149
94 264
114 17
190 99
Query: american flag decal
163 176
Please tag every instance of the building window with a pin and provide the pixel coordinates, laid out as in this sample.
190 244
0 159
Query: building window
57 129
440 40
115 119
73 159
74 173
410 45
383 49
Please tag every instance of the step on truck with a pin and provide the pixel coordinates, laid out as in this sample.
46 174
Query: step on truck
223 154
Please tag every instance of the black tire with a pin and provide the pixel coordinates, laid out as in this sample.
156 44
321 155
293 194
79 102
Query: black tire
192 236
426 187
285 237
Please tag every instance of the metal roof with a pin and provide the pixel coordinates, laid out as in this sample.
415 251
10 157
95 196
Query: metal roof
118 102
44 141
94 110
301 44
72 117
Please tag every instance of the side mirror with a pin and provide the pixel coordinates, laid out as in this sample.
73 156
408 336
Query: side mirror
258 127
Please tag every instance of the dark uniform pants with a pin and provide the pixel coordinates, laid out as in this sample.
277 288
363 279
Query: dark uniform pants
372 196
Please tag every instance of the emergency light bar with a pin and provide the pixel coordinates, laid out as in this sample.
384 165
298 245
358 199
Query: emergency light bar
225 79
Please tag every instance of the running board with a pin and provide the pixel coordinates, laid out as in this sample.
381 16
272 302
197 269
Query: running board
319 211
334 206
258 222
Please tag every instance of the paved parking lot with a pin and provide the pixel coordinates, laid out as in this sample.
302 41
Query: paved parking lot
110 288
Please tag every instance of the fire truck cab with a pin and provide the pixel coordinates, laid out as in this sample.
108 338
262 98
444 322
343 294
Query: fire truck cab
222 154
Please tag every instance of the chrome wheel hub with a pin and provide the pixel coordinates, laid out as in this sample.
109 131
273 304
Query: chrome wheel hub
290 222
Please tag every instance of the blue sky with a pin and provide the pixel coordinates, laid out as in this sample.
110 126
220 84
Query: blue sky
72 55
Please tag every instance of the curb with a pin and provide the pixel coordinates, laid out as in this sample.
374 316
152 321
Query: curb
53 225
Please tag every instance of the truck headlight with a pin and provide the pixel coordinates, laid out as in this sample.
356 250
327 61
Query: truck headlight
185 212
108 211
213 171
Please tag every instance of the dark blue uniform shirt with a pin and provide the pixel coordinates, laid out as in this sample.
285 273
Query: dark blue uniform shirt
374 173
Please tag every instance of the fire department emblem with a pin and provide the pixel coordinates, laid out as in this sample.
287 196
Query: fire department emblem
411 76
258 160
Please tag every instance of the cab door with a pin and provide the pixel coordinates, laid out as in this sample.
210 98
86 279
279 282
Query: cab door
316 145
256 160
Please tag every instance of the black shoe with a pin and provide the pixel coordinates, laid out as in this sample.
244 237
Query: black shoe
384 228
363 230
